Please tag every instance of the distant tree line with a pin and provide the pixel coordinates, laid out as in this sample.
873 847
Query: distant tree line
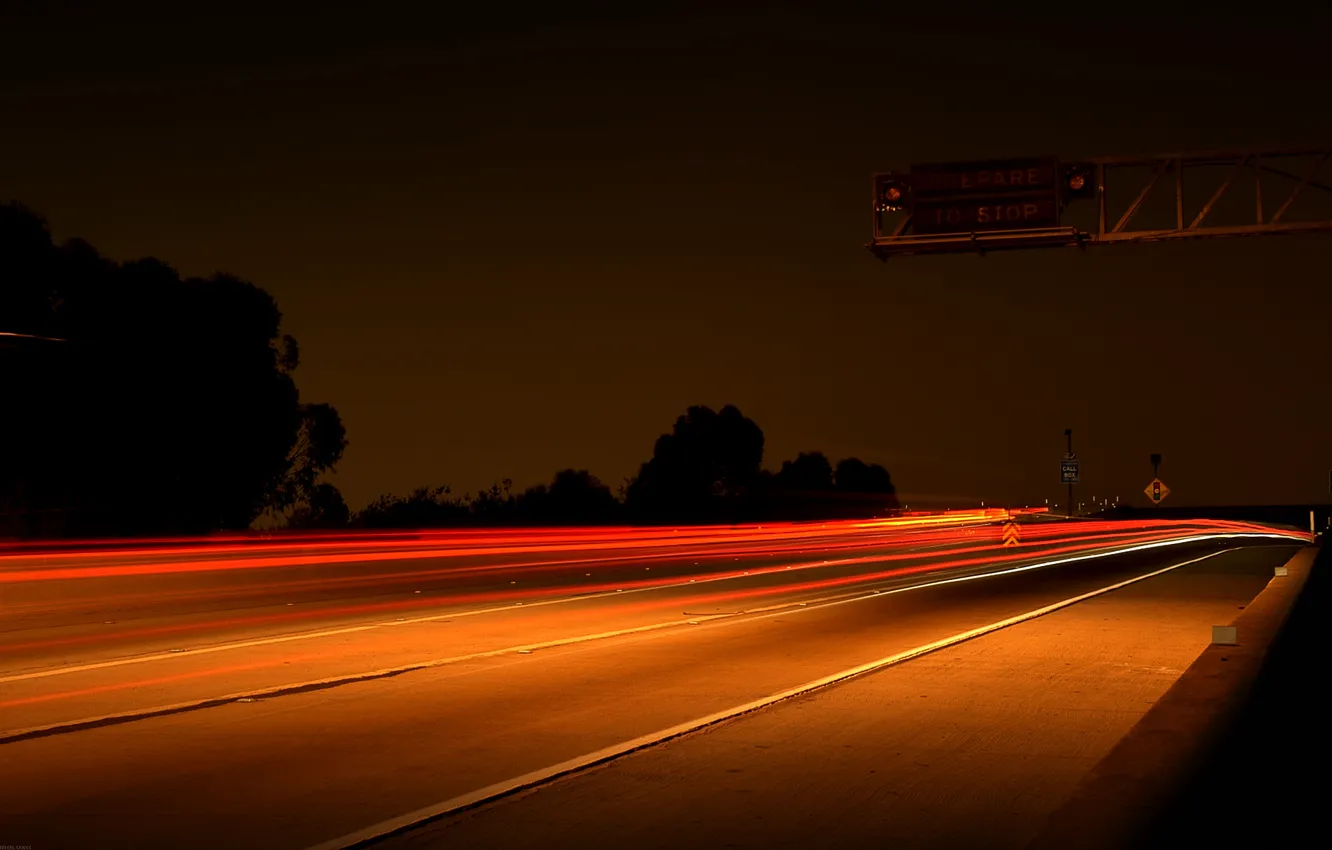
139 402
708 469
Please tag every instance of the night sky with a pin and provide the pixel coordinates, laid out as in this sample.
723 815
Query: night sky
515 240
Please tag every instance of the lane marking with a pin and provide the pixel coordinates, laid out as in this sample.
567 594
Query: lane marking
788 607
316 684
833 545
343 630
542 776
172 654
271 557
821 603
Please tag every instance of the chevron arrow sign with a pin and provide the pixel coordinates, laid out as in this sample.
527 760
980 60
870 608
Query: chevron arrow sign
1011 535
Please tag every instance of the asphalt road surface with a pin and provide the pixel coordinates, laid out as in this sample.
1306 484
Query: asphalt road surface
973 746
287 694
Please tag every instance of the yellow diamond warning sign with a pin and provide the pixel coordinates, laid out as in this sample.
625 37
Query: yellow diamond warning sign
1156 491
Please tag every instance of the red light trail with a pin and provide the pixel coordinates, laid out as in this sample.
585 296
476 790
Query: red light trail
466 567
214 616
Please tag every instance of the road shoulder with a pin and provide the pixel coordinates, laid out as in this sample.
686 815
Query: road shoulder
971 746
1188 757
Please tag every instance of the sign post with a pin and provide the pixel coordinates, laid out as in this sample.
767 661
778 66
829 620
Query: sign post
1068 470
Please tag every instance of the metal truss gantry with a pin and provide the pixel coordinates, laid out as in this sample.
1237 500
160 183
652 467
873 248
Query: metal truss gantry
1140 177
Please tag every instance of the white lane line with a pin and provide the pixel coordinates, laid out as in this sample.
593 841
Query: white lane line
352 678
279 690
543 775
788 607
605 754
345 630
815 602
825 602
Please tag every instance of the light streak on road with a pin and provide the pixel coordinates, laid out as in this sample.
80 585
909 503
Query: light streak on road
111 630
331 576
23 564
586 589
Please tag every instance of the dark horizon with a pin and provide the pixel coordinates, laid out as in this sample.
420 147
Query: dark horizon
508 251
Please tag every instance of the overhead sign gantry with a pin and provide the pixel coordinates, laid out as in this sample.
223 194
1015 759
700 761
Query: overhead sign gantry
1038 202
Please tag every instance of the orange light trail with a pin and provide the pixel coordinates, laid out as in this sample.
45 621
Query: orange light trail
21 567
607 555
465 571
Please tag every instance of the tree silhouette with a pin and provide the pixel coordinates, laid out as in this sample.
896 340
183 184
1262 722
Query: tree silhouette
425 507
810 471
495 506
702 470
138 401
171 407
323 507
320 442
706 470
574 496
855 476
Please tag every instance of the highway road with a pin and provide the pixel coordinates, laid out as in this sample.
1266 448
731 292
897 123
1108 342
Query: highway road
290 693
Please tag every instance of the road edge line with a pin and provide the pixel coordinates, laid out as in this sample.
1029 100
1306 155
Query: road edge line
324 684
541 776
